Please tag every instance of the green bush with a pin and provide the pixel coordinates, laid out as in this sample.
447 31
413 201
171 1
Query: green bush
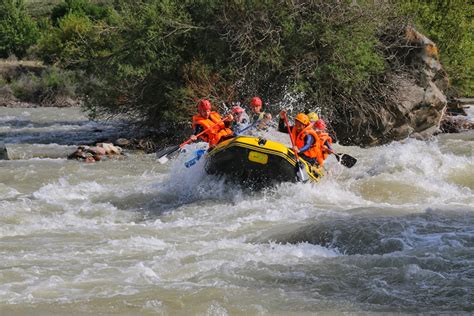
17 30
76 43
85 8
141 77
155 58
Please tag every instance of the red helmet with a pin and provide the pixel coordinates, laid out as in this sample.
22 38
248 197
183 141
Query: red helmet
256 101
237 109
320 125
204 105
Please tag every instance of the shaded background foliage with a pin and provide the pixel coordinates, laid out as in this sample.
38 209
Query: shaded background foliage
152 60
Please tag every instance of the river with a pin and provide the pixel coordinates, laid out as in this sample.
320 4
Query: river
130 236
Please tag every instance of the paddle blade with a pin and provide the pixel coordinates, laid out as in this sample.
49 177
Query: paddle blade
163 160
301 174
346 160
166 151
165 154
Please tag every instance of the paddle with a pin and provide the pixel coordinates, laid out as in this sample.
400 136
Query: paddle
165 153
248 127
345 159
197 155
301 173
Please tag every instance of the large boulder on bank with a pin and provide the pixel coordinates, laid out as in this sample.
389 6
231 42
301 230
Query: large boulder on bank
416 105
424 108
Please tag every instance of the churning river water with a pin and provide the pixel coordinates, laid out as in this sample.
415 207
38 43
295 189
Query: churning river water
395 233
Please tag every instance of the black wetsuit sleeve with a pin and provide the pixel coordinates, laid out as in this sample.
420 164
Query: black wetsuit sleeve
198 129
281 126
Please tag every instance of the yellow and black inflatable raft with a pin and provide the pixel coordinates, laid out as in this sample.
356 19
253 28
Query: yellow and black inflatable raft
257 162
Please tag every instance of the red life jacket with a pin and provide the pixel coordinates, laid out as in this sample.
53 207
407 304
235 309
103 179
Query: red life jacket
214 134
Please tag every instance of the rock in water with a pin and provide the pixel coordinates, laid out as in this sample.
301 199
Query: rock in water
3 151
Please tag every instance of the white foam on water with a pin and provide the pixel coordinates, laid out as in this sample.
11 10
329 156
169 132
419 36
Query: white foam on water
191 184
199 258
62 191
410 172
7 192
76 233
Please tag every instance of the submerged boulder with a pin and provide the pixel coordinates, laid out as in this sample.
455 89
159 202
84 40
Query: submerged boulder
95 153
3 152
456 124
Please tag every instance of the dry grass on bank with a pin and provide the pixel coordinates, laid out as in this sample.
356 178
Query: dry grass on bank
41 8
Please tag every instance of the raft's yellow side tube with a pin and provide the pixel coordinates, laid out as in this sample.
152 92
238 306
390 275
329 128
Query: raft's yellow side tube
260 149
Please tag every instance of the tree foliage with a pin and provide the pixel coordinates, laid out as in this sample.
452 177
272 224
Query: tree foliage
80 7
17 30
154 59
76 43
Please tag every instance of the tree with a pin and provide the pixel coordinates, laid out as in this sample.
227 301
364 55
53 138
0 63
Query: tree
17 30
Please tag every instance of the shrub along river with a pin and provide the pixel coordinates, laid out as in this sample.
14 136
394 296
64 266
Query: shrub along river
395 233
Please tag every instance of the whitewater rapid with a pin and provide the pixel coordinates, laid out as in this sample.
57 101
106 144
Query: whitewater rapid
395 233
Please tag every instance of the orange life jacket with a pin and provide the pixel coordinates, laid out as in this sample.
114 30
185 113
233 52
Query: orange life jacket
214 134
315 151
323 137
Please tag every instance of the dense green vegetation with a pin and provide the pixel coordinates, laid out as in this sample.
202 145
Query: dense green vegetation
17 30
153 59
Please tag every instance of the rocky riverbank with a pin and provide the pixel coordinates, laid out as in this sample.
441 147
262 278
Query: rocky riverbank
455 119
418 105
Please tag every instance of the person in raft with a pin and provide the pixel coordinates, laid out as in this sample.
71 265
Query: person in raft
320 127
258 115
307 142
218 129
241 119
